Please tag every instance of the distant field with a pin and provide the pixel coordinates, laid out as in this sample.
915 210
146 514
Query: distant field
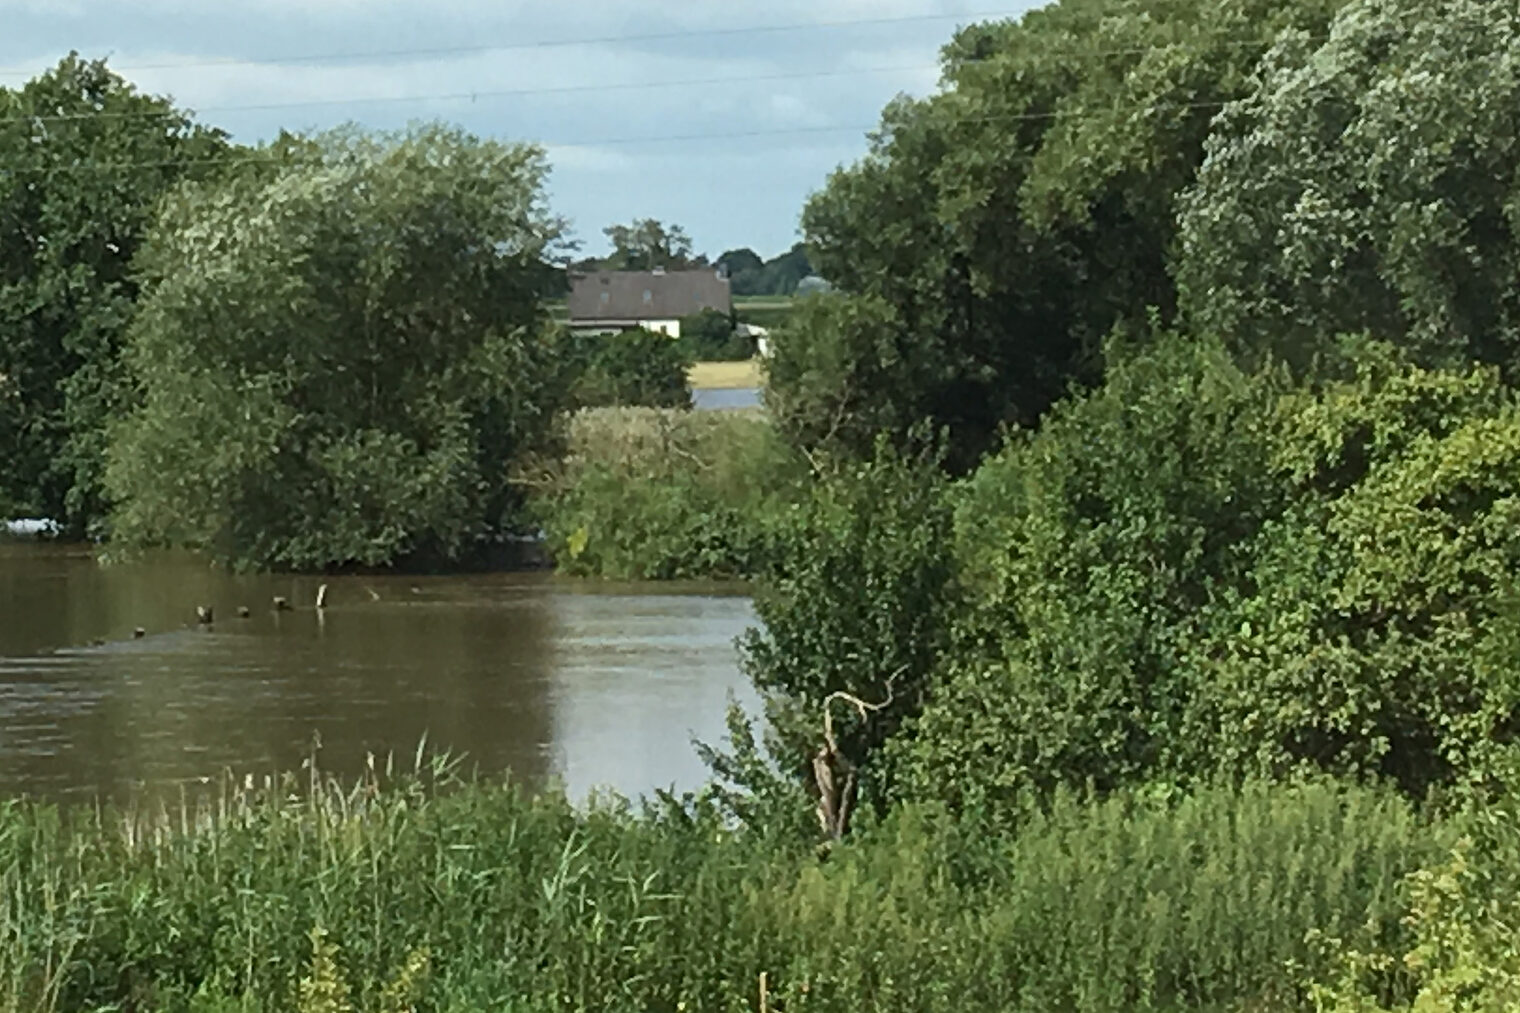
763 302
724 375
768 316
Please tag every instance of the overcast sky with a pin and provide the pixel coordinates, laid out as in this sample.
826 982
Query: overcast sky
630 97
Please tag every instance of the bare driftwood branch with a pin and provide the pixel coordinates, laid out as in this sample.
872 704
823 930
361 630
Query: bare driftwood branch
833 774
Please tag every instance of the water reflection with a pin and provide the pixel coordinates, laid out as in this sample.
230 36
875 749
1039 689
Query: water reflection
596 686
725 399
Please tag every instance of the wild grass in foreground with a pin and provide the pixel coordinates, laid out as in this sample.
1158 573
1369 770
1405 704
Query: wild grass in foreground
422 893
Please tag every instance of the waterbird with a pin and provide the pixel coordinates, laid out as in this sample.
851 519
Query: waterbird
243 612
139 633
281 604
322 597
203 614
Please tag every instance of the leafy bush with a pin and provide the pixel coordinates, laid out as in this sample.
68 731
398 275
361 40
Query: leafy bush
1197 569
856 598
660 493
1460 953
635 367
337 363
710 336
419 891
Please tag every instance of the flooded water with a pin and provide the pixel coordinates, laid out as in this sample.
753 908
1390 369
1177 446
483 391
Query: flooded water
593 685
725 398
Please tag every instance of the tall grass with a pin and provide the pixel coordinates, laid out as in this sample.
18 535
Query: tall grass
658 493
419 893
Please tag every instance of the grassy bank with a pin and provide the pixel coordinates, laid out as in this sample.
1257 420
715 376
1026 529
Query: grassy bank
421 894
725 375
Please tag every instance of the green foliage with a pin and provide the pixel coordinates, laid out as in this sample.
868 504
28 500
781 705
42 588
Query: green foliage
646 244
837 374
420 893
1198 569
1089 552
336 363
999 230
710 336
633 367
1368 181
856 599
70 226
779 276
647 493
1459 954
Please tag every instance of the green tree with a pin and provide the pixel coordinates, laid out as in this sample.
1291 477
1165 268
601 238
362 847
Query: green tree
1368 181
634 367
84 160
646 244
1198 570
1002 228
857 598
739 261
712 336
337 363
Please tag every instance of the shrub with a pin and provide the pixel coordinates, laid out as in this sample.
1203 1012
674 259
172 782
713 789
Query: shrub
856 599
1197 570
659 493
635 367
710 336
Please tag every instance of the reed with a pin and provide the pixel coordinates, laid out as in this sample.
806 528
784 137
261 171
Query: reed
420 890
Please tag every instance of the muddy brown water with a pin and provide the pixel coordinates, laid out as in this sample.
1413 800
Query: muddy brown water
590 685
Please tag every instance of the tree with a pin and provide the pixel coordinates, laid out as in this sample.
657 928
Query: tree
711 336
1200 571
84 160
737 262
1009 223
635 367
778 276
1368 182
337 363
646 244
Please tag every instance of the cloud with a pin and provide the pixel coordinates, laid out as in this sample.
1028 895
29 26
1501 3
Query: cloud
610 86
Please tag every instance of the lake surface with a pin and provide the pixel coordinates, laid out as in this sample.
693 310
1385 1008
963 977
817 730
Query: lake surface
725 398
593 685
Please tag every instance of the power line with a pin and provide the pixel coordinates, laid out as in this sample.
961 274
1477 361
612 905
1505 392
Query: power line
461 96
654 139
476 94
560 43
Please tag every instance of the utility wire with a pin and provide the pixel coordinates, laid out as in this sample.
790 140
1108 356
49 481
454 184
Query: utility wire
471 96
477 94
392 54
653 139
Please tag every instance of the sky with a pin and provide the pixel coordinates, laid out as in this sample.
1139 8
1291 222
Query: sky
719 117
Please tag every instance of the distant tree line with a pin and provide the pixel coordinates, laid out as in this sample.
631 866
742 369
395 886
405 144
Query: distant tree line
645 244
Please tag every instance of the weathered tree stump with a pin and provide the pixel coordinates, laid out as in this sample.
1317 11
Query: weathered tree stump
281 604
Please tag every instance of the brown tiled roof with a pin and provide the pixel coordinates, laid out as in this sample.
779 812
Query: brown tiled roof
647 295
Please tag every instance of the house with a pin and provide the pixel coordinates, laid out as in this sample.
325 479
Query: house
605 302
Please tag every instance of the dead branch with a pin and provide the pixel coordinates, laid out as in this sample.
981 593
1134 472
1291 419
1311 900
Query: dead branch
833 774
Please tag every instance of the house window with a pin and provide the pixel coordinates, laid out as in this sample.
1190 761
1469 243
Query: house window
648 297
606 298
